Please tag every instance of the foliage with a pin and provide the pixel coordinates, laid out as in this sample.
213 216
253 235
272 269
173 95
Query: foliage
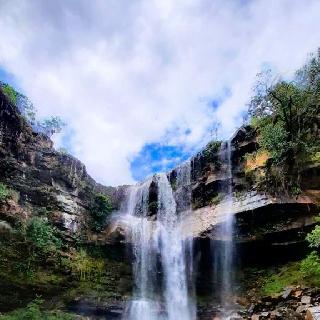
314 237
4 192
43 236
216 199
47 126
276 282
310 268
50 126
285 116
211 149
100 210
85 267
304 272
33 312
11 94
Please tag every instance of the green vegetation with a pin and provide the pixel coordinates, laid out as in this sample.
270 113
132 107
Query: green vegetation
86 268
33 312
43 236
285 116
314 237
47 126
26 252
286 276
305 272
10 93
101 208
211 149
4 192
216 199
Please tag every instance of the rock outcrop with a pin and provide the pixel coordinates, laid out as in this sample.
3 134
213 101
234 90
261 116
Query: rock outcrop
44 180
57 184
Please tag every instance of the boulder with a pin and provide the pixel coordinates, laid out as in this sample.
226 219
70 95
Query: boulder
313 313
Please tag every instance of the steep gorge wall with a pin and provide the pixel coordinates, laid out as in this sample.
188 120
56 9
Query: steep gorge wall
58 185
45 181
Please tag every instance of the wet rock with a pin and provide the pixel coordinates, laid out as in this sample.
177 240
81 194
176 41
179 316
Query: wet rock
274 315
286 293
313 313
305 300
301 309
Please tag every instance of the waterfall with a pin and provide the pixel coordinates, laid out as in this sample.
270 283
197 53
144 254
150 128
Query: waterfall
161 271
223 252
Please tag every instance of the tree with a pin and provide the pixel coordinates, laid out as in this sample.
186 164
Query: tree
100 209
51 126
48 126
286 116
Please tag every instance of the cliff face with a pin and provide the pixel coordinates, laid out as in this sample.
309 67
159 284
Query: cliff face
44 180
56 184
277 218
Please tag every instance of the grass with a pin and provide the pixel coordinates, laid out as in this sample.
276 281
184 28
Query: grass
304 272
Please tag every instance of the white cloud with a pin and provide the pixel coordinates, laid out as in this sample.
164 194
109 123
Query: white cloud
124 73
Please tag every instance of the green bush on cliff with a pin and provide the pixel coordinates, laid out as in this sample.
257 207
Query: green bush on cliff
314 237
11 94
47 126
310 267
101 208
33 312
43 236
4 192
85 267
285 116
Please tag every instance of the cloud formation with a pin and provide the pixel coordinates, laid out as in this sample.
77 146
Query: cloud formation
126 73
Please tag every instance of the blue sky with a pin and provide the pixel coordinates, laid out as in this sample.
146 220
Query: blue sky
7 77
142 83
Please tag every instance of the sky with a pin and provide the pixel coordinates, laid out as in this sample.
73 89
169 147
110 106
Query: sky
142 83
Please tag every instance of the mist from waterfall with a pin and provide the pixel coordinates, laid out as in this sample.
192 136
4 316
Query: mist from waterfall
162 258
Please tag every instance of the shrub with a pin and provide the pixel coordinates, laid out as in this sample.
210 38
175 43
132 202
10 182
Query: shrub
100 210
42 235
85 267
4 192
33 312
310 267
211 149
314 237
11 94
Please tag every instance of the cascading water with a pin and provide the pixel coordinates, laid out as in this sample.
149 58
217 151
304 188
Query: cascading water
223 249
143 307
160 267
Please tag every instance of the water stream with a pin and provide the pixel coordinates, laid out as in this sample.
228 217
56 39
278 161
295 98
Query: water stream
223 246
161 256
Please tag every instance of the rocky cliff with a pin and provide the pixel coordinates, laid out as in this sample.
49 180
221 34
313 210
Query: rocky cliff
276 216
45 181
49 182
